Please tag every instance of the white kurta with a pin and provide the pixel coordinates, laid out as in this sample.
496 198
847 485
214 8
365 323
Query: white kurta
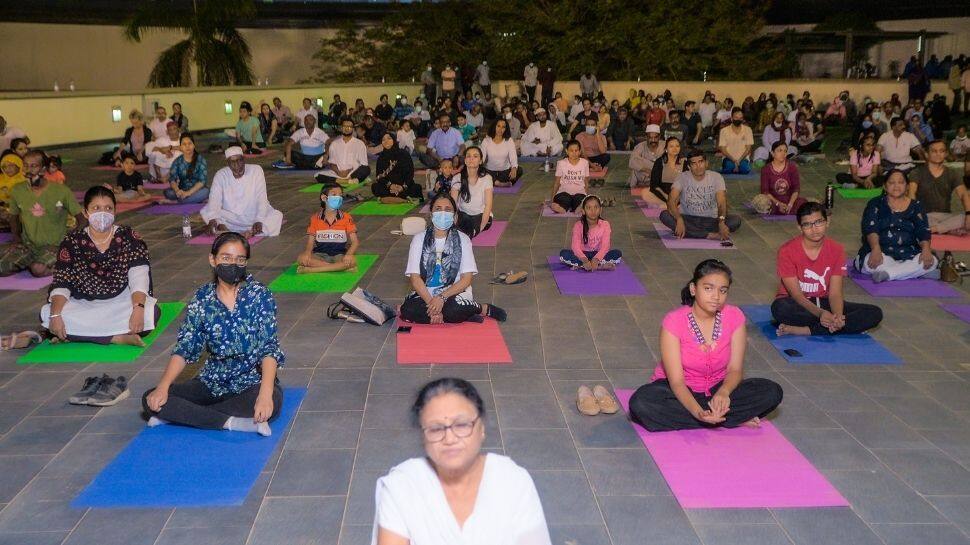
103 317
350 154
238 203
549 137
412 504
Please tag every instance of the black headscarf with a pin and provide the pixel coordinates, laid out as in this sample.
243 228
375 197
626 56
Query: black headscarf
394 165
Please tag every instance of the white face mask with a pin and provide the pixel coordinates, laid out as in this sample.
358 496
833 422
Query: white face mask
508 115
404 101
417 109
101 221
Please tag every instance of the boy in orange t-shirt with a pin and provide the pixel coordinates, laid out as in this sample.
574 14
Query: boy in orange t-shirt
331 237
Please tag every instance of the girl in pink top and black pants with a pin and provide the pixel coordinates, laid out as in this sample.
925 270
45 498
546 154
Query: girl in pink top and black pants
699 383
590 248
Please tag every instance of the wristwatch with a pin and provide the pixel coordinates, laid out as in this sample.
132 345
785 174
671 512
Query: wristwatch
721 218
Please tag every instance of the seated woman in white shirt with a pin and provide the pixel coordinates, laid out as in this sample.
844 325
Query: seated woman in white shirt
406 136
440 267
501 160
456 493
472 190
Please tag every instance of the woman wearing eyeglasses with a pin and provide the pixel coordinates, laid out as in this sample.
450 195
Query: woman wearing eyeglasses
456 493
233 319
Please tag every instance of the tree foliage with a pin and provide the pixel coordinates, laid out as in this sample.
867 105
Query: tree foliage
615 39
213 46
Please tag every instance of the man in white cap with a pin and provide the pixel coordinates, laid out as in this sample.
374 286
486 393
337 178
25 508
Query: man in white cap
542 138
643 156
238 202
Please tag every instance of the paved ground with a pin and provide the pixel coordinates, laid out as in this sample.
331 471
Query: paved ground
895 440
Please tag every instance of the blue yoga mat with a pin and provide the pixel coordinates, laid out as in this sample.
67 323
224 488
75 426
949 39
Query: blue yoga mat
834 349
178 466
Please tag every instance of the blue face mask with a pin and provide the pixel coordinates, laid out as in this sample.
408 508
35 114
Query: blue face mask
866 124
443 219
590 129
334 202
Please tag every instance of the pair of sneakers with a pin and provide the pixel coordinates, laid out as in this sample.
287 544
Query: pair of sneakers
102 391
596 401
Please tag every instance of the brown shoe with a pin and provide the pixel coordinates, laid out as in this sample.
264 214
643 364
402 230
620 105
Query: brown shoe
605 400
586 402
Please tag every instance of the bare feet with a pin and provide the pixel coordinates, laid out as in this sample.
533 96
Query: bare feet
784 329
713 236
129 340
607 266
753 423
557 209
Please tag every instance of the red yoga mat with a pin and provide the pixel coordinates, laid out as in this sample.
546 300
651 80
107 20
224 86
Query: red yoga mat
469 342
950 243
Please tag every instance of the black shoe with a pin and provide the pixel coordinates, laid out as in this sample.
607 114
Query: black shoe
111 391
91 385
496 313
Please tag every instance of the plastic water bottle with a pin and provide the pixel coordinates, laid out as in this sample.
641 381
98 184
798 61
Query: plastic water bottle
186 227
57 86
70 85
829 197
545 166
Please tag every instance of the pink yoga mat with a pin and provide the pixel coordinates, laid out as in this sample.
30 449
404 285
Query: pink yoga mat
649 210
490 237
547 212
674 243
599 173
129 206
207 240
951 243
960 311
155 185
738 468
177 209
452 343
24 281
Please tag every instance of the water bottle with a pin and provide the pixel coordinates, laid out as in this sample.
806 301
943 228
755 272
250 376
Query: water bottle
57 86
186 227
829 197
70 85
545 166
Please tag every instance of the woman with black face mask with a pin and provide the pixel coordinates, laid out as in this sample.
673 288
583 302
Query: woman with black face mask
233 319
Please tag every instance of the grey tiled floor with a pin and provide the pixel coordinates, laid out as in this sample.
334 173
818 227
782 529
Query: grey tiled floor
893 440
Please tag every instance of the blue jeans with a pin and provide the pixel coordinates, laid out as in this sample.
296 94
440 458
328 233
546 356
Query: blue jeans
197 197
727 167
569 258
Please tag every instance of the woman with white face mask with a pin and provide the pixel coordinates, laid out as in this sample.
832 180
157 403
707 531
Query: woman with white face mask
102 289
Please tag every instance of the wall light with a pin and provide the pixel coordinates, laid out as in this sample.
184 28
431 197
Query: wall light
319 102
116 114
228 107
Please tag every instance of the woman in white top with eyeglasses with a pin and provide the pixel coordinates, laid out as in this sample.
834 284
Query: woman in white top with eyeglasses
456 494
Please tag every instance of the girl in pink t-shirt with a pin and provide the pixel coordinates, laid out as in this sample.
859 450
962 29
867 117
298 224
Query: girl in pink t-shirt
699 383
590 249
572 178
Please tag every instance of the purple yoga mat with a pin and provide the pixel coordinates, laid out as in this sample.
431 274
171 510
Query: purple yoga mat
620 281
649 209
207 240
755 467
490 237
674 243
547 212
917 287
177 209
508 190
774 217
155 185
24 281
960 311
5 238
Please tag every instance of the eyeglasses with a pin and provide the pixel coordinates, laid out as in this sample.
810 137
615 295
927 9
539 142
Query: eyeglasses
436 434
816 223
226 259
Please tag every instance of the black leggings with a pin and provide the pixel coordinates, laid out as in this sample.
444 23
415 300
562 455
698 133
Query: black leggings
655 407
846 178
602 159
456 310
504 176
569 202
471 225
191 404
859 317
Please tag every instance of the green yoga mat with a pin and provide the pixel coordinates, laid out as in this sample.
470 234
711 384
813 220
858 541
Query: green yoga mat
328 282
47 353
375 208
859 193
315 188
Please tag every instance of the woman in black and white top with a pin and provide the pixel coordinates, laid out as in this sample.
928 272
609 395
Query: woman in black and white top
498 151
472 190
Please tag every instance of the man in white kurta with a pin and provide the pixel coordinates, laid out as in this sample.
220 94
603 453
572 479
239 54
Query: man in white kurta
238 202
164 151
346 158
542 138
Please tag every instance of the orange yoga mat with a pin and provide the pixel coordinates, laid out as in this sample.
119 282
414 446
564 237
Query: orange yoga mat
469 342
951 243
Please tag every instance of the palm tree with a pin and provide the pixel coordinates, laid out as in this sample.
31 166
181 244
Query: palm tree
214 46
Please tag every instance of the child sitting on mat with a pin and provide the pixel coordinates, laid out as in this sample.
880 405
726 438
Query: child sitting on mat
446 172
699 382
130 186
811 268
590 249
572 180
331 237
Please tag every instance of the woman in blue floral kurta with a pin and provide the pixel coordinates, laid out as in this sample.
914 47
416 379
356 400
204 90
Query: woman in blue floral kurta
233 319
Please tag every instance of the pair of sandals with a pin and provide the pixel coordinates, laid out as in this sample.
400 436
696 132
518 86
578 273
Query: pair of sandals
11 342
597 182
609 202
596 401
510 278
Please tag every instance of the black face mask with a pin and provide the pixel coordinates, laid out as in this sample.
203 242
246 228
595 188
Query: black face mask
736 122
231 274
35 181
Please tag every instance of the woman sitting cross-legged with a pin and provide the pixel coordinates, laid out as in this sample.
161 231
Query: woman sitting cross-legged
189 174
441 265
780 184
700 381
665 171
394 182
456 493
572 180
102 284
331 236
590 249
472 190
233 319
896 236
